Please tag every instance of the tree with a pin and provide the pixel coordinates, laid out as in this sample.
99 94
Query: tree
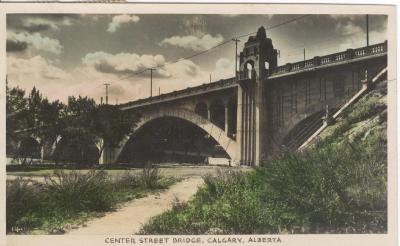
112 125
76 128
16 117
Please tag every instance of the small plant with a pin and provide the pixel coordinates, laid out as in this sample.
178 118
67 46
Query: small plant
150 176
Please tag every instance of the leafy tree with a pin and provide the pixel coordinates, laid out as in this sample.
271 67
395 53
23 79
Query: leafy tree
16 117
75 125
112 124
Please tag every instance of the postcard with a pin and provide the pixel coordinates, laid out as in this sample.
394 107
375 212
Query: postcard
199 124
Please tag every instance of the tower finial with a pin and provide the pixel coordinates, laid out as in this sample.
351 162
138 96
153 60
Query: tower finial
261 33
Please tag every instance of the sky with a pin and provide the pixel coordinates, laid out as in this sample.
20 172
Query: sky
76 54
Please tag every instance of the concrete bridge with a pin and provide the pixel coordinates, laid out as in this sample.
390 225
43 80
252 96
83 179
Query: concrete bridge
266 108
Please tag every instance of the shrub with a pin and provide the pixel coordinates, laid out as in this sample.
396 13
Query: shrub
72 192
23 204
150 176
338 188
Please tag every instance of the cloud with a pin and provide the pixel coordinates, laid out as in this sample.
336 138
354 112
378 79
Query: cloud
35 40
193 25
16 46
224 63
224 68
33 69
192 42
183 69
38 23
121 19
124 63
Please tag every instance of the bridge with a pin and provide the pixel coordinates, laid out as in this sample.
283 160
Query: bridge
265 108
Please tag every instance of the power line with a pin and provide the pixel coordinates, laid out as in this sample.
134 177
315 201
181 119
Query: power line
214 47
276 25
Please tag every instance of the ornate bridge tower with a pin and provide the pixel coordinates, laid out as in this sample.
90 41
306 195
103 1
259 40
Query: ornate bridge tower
256 60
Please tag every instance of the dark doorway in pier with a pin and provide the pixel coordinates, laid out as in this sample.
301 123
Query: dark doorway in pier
201 109
217 113
170 140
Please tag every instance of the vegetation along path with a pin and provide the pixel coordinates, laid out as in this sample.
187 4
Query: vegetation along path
131 216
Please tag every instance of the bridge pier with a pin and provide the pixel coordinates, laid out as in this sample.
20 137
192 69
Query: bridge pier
251 110
108 155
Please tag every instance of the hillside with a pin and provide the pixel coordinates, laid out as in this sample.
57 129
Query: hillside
337 185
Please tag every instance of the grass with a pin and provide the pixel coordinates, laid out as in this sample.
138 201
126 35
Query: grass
67 199
338 185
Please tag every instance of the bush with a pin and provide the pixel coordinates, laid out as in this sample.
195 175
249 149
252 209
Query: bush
73 192
23 200
227 204
150 176
335 189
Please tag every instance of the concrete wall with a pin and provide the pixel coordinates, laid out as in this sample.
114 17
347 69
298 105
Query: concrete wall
293 98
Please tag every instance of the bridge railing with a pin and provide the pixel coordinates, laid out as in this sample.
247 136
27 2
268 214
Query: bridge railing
332 58
185 92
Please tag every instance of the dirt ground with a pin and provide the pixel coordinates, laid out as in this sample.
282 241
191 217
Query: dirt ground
132 215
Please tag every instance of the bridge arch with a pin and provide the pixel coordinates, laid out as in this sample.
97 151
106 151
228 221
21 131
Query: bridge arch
227 144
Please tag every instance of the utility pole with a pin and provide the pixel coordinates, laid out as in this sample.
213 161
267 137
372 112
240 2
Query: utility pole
304 54
159 91
236 44
367 30
107 85
210 77
151 81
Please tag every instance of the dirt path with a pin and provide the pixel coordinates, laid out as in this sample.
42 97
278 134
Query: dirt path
130 218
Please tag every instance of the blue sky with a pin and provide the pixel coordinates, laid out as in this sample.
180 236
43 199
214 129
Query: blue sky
66 55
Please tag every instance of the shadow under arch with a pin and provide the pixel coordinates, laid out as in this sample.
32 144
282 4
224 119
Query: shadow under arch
77 150
223 142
